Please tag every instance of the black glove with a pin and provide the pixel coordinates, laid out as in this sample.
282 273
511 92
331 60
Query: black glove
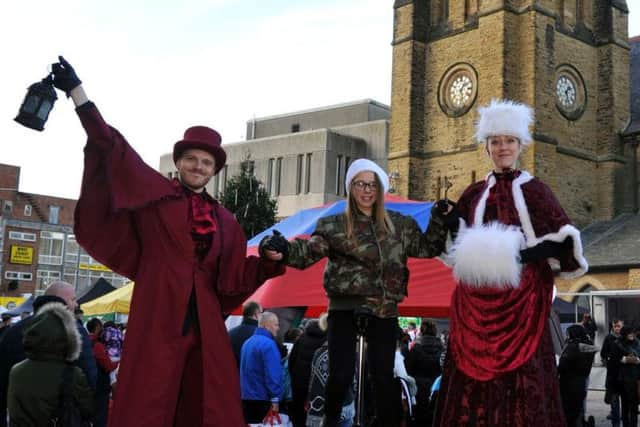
451 219
543 250
275 242
64 76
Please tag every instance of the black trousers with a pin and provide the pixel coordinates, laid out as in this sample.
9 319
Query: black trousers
381 339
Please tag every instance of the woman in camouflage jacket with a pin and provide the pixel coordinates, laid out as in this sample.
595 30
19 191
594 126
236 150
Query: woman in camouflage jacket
367 249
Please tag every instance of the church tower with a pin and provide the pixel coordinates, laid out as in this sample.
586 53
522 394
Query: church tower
568 59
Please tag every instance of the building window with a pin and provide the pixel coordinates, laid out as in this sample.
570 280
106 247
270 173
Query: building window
338 173
18 275
72 250
54 212
19 235
45 277
216 186
27 210
347 162
270 171
278 175
299 173
51 247
224 171
7 205
307 173
295 127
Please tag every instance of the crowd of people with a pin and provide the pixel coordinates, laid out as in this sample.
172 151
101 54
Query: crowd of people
418 368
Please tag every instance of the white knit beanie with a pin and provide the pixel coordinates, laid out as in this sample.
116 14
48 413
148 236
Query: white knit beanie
504 117
362 165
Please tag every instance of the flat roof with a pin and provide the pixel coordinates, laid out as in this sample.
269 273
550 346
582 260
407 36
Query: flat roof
325 108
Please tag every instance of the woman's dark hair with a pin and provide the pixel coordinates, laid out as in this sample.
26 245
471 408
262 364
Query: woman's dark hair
576 332
428 327
109 324
626 330
92 325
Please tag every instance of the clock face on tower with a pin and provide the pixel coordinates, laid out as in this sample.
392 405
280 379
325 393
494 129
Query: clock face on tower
570 92
458 89
566 91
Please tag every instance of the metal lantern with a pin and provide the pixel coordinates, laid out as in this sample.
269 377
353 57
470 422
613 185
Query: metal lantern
37 105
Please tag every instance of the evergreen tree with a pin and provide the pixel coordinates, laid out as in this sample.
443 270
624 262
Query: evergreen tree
245 196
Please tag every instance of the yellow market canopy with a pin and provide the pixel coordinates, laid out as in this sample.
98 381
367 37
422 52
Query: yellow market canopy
117 301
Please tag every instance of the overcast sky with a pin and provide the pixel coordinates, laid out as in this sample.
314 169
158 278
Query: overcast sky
157 67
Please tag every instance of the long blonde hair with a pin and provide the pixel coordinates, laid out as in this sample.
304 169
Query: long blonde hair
385 225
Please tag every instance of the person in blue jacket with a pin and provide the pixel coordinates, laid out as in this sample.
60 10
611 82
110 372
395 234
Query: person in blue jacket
261 381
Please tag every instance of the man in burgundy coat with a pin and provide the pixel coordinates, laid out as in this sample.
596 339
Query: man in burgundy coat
187 256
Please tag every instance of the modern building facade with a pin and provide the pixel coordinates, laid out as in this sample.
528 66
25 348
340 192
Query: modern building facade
302 157
37 245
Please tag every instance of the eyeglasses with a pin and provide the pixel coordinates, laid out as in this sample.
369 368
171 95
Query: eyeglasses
362 185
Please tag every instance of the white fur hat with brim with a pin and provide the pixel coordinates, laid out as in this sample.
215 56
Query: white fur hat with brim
362 165
504 117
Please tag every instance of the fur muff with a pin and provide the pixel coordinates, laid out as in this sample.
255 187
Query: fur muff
504 117
488 255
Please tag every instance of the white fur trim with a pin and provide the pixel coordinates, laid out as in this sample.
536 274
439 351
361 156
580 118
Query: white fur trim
566 231
362 165
561 235
70 326
521 207
482 203
488 255
504 117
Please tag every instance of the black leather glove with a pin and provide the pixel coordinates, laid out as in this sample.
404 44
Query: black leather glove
275 242
64 76
543 250
450 219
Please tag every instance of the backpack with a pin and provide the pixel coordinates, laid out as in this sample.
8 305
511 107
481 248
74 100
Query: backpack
68 413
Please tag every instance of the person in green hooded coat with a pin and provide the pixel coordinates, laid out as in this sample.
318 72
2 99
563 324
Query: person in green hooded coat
51 343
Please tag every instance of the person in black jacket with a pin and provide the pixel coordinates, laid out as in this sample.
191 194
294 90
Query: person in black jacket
626 355
251 312
12 349
300 366
612 393
573 370
423 364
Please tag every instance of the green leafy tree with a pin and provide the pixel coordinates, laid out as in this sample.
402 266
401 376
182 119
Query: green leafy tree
245 196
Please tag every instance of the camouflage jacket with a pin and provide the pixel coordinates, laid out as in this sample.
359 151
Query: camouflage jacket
371 265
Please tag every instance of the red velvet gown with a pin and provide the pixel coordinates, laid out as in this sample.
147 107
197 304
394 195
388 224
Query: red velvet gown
137 223
500 367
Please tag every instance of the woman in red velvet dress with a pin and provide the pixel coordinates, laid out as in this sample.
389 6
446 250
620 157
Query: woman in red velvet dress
510 235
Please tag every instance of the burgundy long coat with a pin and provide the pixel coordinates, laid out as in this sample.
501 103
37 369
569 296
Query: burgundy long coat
136 222
500 368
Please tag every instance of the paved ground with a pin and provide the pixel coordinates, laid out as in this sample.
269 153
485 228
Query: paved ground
597 408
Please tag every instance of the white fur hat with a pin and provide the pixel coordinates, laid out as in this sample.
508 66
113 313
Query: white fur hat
504 117
362 165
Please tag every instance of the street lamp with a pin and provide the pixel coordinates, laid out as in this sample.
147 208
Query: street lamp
37 104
